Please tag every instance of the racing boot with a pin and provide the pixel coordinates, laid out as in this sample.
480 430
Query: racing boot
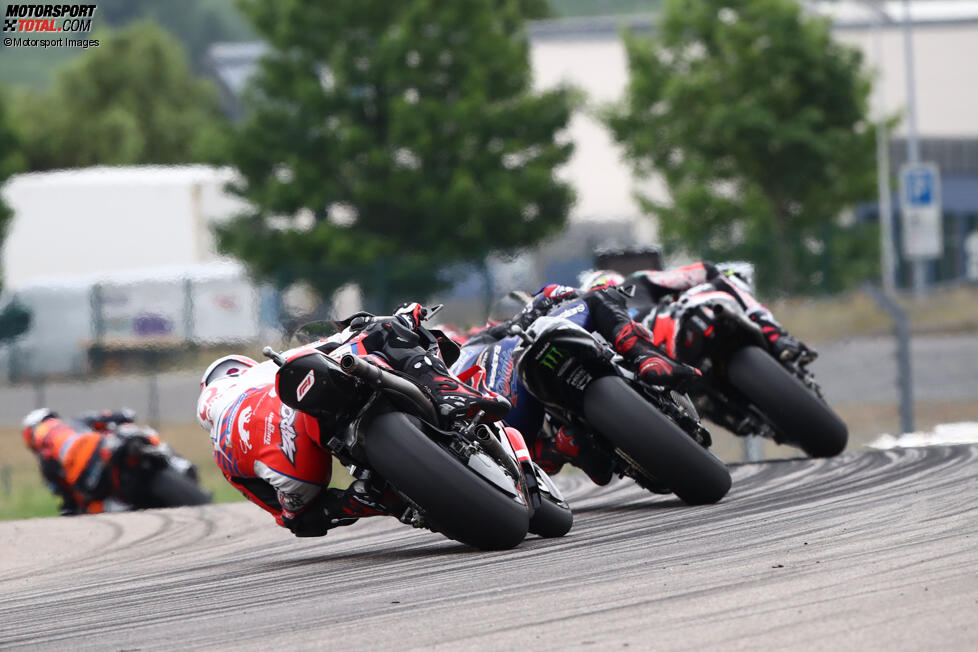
546 455
782 344
455 399
360 499
580 451
634 342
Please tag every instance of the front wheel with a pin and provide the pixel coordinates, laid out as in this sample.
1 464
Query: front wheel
800 416
456 501
655 443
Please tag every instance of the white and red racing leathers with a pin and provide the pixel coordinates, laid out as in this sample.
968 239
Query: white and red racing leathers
267 450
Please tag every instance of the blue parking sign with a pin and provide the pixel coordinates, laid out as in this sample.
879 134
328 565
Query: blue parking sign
920 209
919 185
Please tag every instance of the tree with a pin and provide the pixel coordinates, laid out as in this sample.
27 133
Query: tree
756 118
132 100
14 319
197 24
387 141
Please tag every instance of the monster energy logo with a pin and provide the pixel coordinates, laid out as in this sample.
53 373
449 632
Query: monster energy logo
551 358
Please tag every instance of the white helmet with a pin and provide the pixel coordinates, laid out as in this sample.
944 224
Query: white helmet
600 278
229 365
208 403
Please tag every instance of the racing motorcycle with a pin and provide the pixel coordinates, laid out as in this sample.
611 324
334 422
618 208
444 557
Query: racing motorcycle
472 482
745 387
650 433
144 472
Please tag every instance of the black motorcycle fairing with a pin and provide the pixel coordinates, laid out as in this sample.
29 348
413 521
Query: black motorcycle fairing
560 365
313 383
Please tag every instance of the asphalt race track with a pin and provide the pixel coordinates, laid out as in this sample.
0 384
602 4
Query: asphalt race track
872 550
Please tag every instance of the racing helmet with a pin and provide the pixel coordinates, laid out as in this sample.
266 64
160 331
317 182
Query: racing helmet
229 365
599 279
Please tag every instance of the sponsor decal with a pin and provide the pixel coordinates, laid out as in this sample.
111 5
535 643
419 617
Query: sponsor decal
223 440
551 358
287 429
570 312
305 385
48 20
269 428
579 379
243 436
493 366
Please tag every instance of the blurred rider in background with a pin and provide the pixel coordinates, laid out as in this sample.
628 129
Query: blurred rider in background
655 290
598 305
74 455
277 457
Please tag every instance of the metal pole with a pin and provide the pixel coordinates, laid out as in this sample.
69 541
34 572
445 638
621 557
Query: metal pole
153 400
39 398
913 153
887 252
753 448
901 329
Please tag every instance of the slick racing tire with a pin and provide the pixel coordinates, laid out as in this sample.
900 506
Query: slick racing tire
170 488
456 502
800 416
655 443
551 520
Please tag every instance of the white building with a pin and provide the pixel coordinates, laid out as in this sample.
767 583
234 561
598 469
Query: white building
103 220
112 261
589 54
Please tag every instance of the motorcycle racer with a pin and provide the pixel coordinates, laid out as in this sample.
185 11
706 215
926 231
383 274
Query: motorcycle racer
655 291
278 457
74 455
600 306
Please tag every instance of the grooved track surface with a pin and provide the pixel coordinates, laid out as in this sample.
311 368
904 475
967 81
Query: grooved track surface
871 550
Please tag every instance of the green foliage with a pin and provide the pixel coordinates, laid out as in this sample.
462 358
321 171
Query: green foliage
757 120
197 24
11 160
132 100
14 319
386 141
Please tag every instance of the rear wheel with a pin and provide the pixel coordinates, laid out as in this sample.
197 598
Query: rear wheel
553 518
655 443
455 500
170 488
802 417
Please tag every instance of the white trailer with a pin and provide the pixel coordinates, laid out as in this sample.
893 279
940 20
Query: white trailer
112 219
121 258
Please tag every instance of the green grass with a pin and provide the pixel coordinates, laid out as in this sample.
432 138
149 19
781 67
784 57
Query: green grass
24 495
27 500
